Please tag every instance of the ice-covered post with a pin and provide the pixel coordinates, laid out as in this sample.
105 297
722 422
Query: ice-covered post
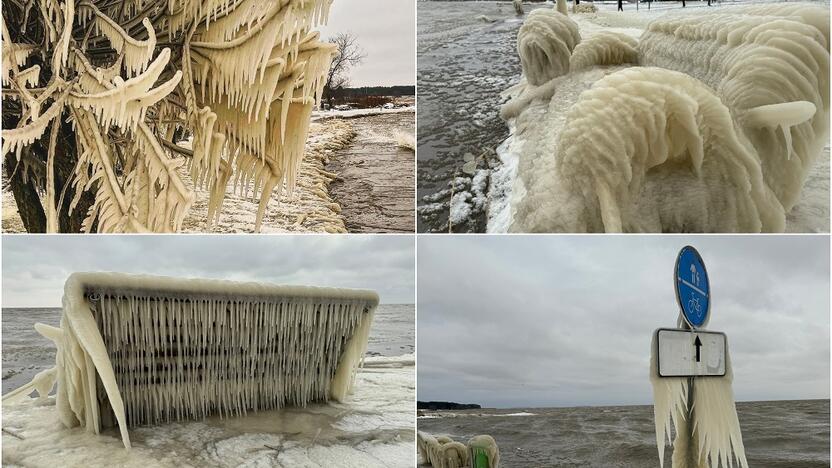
484 452
690 370
518 7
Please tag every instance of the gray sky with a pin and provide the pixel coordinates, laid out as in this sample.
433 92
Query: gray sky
386 31
525 321
36 267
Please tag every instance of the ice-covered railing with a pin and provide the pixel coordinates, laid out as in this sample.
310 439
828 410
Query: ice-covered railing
137 350
444 452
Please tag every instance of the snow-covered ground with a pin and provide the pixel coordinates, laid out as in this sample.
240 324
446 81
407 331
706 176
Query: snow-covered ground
309 209
374 427
811 214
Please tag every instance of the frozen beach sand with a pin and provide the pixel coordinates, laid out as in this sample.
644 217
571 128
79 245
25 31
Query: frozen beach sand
372 428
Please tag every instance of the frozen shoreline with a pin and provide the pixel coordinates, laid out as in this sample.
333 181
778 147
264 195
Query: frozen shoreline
311 208
811 214
375 423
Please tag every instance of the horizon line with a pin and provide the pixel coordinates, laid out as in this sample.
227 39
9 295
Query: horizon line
593 405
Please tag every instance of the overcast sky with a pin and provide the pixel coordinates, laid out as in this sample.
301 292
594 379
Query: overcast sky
386 31
525 321
36 267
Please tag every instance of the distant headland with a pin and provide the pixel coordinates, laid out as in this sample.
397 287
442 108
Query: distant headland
445 405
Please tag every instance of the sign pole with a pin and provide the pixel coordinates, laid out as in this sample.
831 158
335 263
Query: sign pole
693 293
690 398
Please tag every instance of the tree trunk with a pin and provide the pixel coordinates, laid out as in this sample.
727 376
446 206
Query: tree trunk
25 197
66 157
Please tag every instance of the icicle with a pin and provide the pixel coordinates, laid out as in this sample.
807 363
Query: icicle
168 349
715 438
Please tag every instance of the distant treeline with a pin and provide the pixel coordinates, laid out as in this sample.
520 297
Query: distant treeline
346 93
444 405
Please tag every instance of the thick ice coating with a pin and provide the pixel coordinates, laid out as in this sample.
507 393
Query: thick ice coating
242 80
489 445
715 438
666 157
604 48
545 43
769 65
715 131
137 350
444 452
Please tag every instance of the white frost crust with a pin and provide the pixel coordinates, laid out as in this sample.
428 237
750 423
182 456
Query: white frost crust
716 437
83 355
545 43
762 61
665 158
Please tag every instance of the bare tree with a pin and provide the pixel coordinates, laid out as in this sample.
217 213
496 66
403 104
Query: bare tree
349 54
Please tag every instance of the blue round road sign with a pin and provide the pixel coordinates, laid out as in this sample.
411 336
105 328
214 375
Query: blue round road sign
692 288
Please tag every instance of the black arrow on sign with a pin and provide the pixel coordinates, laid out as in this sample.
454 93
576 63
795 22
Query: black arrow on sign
698 345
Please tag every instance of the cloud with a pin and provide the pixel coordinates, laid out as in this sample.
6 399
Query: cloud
386 31
566 320
36 267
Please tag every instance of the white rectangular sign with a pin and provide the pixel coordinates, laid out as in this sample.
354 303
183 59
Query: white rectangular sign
686 353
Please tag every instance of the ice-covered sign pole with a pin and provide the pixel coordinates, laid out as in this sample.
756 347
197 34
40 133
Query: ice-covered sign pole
690 370
239 76
138 350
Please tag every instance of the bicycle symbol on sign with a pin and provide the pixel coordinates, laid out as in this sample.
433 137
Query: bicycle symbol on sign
693 304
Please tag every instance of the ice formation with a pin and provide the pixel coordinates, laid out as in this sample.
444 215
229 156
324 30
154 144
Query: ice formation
715 438
545 43
518 7
585 7
444 452
769 65
715 130
139 350
604 48
487 444
244 81
672 161
373 428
